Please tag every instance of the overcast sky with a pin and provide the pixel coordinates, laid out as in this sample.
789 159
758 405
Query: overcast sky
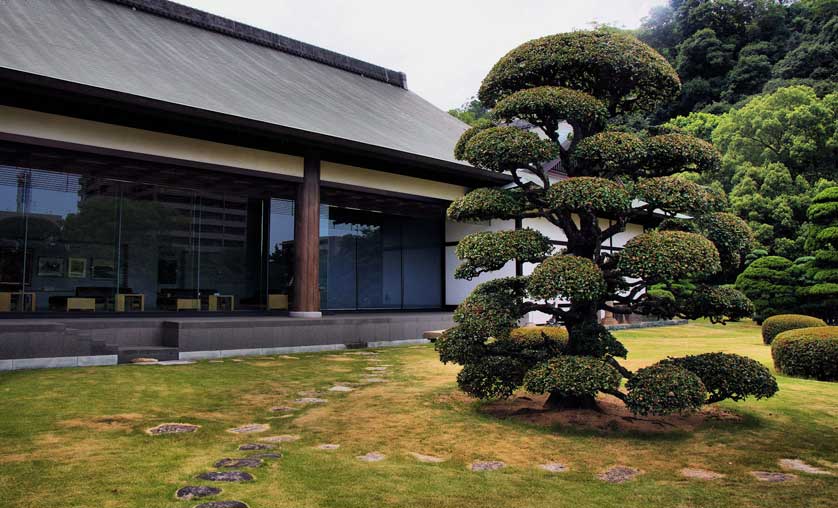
446 47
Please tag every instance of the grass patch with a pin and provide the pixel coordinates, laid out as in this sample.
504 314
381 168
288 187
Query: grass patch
76 437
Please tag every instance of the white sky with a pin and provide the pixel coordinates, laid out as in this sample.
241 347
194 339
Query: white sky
446 47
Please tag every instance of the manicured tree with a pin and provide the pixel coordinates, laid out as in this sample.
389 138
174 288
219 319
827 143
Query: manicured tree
822 297
582 79
769 282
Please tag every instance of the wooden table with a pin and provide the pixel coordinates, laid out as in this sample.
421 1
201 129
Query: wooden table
277 302
130 302
223 303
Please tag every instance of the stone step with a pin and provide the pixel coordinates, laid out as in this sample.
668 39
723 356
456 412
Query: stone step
162 353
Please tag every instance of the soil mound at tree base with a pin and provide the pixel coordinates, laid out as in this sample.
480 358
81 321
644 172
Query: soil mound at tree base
613 416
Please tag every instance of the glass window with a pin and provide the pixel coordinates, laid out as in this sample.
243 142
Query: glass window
281 248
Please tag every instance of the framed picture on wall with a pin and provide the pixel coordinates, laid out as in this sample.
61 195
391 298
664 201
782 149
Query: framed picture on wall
103 269
77 268
50 267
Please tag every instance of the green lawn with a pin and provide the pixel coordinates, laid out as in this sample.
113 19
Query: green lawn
75 438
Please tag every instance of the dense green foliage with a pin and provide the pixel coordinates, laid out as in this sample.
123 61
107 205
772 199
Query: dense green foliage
807 352
770 285
729 376
586 80
780 323
821 293
664 388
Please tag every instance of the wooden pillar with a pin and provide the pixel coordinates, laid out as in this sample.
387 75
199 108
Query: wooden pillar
307 242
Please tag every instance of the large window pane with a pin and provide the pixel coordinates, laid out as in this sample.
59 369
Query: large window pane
281 248
422 254
15 265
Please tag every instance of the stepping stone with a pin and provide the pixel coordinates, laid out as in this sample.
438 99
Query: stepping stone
283 409
490 465
553 467
172 428
310 400
286 357
226 476
341 389
374 380
176 362
376 369
700 474
144 361
216 361
363 353
328 446
427 458
196 492
799 465
773 477
618 474
237 463
255 446
371 457
285 438
308 393
237 360
250 428
267 456
223 504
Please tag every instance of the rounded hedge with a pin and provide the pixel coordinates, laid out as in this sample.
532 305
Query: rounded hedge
457 345
780 323
493 308
668 154
534 335
547 106
767 282
672 194
487 203
616 68
729 376
465 137
503 149
669 256
807 352
491 377
717 303
533 344
730 234
568 277
572 376
664 388
487 251
607 154
589 194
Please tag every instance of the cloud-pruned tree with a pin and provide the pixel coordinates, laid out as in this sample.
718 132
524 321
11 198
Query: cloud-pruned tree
583 79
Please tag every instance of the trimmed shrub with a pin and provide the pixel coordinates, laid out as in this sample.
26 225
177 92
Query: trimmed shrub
768 283
675 153
730 234
529 336
807 352
669 255
672 194
491 377
460 147
507 149
780 323
547 106
572 376
718 303
729 376
456 345
532 344
589 194
607 154
493 308
664 388
570 277
486 204
491 250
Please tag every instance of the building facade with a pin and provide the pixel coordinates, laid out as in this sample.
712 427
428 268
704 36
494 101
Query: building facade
206 182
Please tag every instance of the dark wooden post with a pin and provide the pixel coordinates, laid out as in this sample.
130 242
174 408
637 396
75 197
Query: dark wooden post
307 242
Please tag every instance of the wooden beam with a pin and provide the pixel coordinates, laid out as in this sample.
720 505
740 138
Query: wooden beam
307 241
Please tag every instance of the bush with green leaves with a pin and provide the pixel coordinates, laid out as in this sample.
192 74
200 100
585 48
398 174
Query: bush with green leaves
807 352
729 376
768 282
821 296
665 388
586 80
780 323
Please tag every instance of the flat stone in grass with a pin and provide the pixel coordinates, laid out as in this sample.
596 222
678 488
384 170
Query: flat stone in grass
553 467
282 409
266 456
172 428
376 369
427 458
363 353
372 457
618 474
328 446
374 380
249 447
487 465
700 474
238 463
286 357
223 504
341 388
310 400
216 361
176 362
285 438
308 393
144 361
799 465
773 476
226 476
250 428
196 492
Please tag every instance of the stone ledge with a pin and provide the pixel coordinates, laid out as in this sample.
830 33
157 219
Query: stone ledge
57 362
